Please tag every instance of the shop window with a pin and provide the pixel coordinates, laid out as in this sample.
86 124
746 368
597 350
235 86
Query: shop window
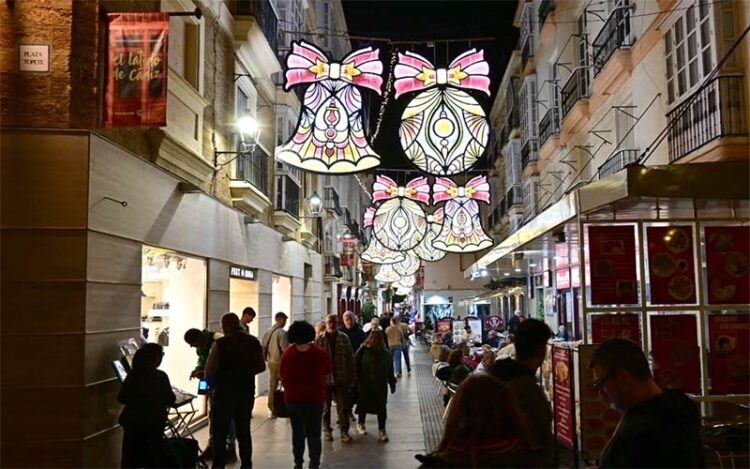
281 297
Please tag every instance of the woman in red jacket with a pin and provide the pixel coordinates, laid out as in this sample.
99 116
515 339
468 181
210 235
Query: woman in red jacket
303 370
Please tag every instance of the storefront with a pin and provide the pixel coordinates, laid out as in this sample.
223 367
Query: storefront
281 298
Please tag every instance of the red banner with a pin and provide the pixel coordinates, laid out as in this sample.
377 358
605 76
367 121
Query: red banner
730 353
608 326
562 371
137 70
727 254
676 354
671 265
347 257
613 267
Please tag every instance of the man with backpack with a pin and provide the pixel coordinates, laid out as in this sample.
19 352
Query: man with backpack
274 343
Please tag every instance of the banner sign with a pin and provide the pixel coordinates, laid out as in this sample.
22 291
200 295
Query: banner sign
137 70
562 278
727 254
613 266
676 354
236 271
562 371
730 353
347 257
609 326
598 419
671 265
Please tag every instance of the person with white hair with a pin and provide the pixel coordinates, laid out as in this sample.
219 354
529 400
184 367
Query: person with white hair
353 330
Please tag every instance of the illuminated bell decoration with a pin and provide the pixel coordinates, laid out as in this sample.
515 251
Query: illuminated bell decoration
462 229
375 251
406 282
400 223
409 266
387 274
425 250
330 136
401 291
444 130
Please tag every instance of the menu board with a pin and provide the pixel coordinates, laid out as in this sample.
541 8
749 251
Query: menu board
613 266
671 265
727 253
675 350
598 419
563 395
729 336
444 325
608 326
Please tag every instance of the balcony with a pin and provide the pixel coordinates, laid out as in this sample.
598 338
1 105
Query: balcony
617 161
249 188
545 7
332 268
550 125
529 153
614 35
265 15
286 214
576 88
527 51
514 198
715 112
332 203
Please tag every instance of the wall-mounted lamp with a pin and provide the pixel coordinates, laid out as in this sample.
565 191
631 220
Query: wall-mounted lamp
316 204
249 132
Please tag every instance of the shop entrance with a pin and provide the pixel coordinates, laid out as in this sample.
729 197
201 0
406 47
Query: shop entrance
281 297
173 300
244 293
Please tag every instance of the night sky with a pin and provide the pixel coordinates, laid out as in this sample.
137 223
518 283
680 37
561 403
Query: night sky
422 21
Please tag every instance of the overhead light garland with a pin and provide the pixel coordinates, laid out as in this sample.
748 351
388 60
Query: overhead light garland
409 266
400 223
375 251
425 250
386 274
406 282
461 230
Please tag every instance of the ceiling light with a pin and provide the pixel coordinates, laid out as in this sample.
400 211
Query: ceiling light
507 274
518 270
532 265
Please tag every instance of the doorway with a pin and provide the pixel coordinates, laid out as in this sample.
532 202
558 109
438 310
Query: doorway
281 297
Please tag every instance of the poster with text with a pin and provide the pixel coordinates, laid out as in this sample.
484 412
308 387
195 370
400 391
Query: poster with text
676 354
729 336
671 265
562 371
609 326
613 265
137 70
598 419
727 253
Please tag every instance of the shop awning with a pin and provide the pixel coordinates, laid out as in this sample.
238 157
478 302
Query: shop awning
637 192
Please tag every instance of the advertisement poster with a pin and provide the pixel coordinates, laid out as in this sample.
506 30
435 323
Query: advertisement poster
597 419
727 253
494 323
563 395
137 70
676 354
347 257
671 265
730 353
613 266
608 326
444 325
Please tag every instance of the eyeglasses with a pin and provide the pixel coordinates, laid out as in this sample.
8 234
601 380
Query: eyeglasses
598 385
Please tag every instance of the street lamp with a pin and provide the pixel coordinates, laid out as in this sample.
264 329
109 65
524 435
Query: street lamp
249 130
315 203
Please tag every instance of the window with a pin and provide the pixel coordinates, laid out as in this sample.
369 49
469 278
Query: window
184 49
251 166
529 112
624 123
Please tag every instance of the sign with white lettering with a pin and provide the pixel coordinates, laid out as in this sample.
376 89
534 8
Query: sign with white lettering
236 271
33 57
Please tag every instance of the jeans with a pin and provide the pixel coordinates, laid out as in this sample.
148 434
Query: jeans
407 358
343 408
306 424
225 409
396 354
381 420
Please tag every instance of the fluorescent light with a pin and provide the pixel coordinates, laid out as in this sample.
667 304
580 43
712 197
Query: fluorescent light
532 265
518 270
507 274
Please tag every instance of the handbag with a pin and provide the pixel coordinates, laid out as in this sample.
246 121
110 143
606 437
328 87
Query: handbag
279 404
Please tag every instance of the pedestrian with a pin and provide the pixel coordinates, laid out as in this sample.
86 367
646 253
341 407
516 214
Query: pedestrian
515 321
339 349
488 359
372 325
507 348
459 371
492 339
231 367
483 428
406 330
147 395
659 428
395 339
304 367
374 376
519 375
353 330
248 316
320 328
385 321
274 344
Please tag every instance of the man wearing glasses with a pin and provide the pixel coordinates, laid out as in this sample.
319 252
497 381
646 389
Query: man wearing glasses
659 428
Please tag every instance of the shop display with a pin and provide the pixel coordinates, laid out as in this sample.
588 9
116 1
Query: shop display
729 346
399 222
675 352
598 420
330 136
564 404
671 265
727 254
613 265
609 326
462 230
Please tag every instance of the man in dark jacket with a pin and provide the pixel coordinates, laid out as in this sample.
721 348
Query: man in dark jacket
519 375
231 367
353 330
659 428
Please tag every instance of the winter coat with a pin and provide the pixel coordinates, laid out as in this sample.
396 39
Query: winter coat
374 376
356 336
344 374
661 432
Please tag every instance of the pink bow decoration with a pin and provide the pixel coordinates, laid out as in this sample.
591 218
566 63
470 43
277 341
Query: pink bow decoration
369 217
436 217
386 188
308 64
477 188
469 70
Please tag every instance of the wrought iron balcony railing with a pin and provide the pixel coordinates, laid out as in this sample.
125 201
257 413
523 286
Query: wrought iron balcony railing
514 197
576 88
332 201
264 14
615 34
529 153
550 125
253 168
617 161
287 195
545 7
713 112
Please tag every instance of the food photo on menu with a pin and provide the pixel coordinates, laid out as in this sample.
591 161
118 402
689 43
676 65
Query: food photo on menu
671 265
727 252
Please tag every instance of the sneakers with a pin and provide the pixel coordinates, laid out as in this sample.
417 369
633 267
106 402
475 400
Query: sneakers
327 435
346 437
361 429
382 436
398 375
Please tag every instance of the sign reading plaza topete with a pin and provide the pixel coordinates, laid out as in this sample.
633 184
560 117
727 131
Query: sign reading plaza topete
33 57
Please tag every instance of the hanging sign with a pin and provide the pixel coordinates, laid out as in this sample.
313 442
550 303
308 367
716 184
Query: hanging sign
670 265
729 336
462 230
347 257
598 419
676 354
494 322
562 371
727 255
609 326
137 70
613 266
